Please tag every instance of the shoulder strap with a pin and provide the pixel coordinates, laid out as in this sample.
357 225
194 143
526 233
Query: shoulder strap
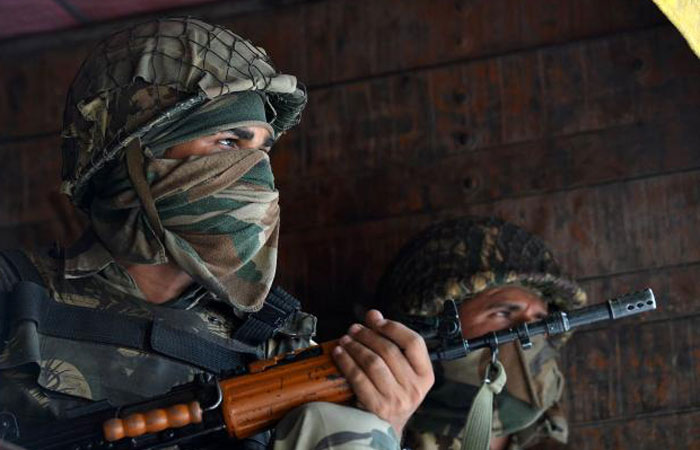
262 325
30 301
26 273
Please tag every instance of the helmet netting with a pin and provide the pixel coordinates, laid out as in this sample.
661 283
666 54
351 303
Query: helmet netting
458 259
153 74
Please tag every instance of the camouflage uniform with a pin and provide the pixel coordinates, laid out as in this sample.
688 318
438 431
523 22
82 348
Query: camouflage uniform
141 91
456 260
73 372
41 377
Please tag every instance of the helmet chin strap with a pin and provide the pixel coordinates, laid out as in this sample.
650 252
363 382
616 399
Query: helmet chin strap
135 166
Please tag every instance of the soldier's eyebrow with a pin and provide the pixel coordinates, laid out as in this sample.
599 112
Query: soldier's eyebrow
506 305
246 134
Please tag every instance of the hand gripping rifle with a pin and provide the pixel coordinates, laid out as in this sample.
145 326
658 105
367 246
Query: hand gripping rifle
241 406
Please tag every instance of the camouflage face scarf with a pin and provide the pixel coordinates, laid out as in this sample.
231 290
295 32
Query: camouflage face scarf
220 221
215 216
533 389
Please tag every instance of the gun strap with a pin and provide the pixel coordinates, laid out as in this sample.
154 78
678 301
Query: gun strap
30 301
477 430
262 325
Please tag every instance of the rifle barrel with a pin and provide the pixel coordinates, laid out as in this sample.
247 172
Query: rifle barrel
556 323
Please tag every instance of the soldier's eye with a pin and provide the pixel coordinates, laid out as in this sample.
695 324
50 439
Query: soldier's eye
229 143
502 314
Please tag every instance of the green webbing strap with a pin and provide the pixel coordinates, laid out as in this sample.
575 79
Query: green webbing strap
135 166
477 431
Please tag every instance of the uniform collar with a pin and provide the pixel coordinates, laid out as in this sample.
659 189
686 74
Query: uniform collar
88 257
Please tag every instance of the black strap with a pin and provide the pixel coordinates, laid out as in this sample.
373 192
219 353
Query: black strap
262 325
25 270
30 301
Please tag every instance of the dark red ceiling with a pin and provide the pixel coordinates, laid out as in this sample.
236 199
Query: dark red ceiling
23 17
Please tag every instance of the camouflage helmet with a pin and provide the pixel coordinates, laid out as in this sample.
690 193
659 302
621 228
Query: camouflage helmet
459 258
153 74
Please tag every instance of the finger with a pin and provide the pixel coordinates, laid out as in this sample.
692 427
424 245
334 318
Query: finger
410 342
387 350
373 366
364 389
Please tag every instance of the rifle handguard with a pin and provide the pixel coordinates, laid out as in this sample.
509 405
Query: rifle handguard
256 401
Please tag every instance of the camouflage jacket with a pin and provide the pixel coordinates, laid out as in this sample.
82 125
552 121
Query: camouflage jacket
42 377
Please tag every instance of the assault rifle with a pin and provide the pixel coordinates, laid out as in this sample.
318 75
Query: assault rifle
208 409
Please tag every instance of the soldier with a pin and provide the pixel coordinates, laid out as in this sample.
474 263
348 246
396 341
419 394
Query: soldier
501 276
166 135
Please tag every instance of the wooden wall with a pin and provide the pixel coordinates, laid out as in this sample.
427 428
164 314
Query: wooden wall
576 119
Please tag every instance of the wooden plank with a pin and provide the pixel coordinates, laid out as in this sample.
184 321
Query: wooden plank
675 287
418 118
651 365
632 151
596 231
35 91
327 42
636 150
631 369
680 431
31 170
360 38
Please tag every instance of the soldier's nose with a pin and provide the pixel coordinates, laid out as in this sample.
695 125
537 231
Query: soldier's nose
530 315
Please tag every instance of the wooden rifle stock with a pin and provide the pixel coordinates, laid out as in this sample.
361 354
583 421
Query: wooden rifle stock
253 402
256 401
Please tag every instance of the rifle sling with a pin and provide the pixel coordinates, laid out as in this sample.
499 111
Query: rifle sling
262 325
30 301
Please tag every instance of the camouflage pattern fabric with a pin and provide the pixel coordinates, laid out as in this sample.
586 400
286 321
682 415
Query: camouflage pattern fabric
325 426
66 374
220 219
157 73
146 88
527 409
222 233
242 109
458 259
43 376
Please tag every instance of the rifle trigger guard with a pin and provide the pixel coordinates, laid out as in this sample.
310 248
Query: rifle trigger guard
219 398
